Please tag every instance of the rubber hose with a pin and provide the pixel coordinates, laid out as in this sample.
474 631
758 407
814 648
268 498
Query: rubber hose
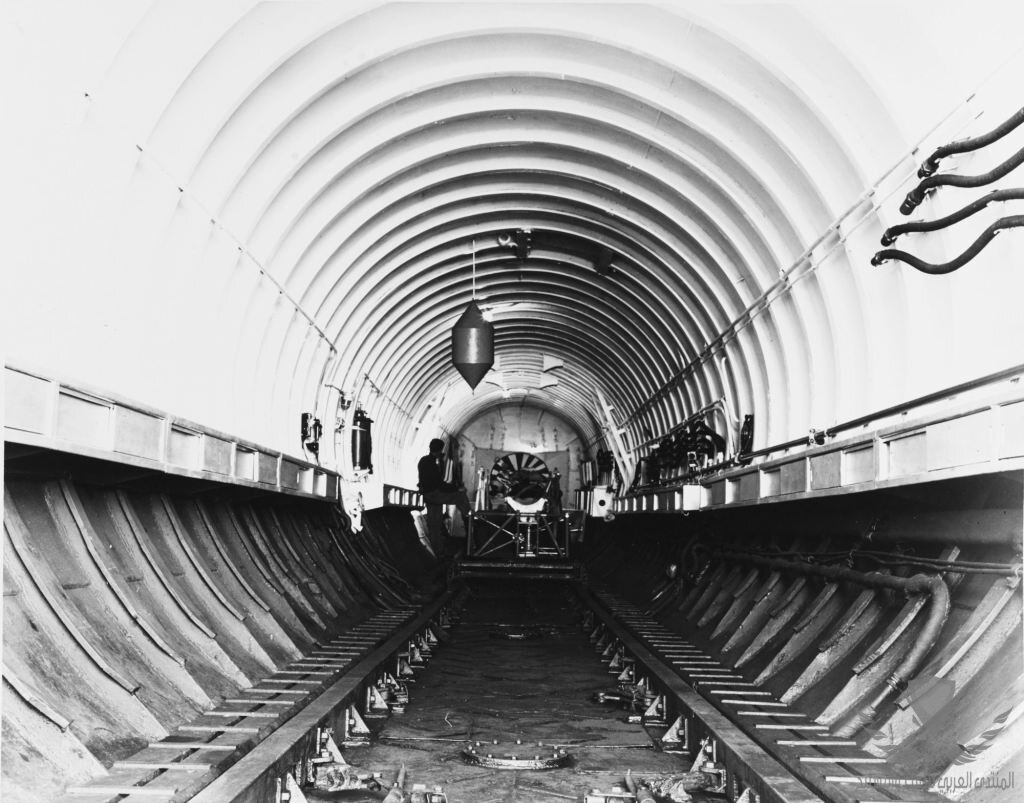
916 195
940 223
931 164
938 611
1010 222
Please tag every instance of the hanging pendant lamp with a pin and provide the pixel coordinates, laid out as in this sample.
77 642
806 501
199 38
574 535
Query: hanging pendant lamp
473 340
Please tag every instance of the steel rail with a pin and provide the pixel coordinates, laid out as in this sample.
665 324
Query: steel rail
854 423
768 777
748 755
276 754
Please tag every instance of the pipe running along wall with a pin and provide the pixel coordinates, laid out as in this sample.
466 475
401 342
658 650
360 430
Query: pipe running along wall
938 610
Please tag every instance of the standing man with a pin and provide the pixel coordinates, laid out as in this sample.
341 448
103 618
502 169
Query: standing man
437 493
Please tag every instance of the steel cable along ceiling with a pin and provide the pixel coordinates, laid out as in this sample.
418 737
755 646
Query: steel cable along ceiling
363 161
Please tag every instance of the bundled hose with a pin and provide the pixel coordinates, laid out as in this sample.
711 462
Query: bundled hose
883 558
898 679
931 164
938 269
940 223
938 610
916 195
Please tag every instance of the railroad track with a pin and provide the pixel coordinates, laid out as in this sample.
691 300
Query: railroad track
243 748
759 749
767 750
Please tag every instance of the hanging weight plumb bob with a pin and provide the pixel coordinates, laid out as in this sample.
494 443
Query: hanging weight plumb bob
362 441
473 345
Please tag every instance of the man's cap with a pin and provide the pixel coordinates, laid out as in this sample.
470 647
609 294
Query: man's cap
437 445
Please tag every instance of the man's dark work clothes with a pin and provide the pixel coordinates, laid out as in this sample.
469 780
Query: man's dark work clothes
437 493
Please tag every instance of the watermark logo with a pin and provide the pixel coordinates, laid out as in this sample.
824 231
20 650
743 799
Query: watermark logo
962 781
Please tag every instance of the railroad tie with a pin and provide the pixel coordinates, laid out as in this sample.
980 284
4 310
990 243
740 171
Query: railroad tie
810 743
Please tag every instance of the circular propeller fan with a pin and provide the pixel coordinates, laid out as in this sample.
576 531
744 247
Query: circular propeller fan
521 476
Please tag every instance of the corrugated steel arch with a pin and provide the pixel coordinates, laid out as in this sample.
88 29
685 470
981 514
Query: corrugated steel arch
405 137
274 163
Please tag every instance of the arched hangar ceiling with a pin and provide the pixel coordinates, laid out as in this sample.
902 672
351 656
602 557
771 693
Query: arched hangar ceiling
327 184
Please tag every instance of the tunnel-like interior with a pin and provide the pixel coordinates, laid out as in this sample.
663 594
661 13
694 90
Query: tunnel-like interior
283 208
735 391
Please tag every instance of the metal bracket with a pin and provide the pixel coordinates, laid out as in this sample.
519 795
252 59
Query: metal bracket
706 762
356 732
616 795
398 706
698 759
403 668
677 738
376 705
415 656
656 713
289 791
327 749
610 649
328 768
420 794
394 691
